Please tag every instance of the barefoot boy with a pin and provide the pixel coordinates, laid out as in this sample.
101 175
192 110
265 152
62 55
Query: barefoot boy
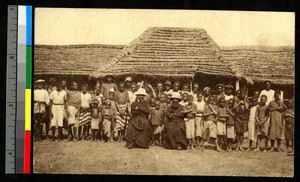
156 118
210 121
230 131
262 122
221 123
199 120
288 116
108 116
190 112
241 124
95 119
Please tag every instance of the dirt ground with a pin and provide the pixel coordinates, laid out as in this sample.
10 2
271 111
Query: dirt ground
86 157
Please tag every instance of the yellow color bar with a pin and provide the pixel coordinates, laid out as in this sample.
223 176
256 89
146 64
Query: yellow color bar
28 110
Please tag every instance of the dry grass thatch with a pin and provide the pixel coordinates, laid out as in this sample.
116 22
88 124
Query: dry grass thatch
169 51
72 59
276 64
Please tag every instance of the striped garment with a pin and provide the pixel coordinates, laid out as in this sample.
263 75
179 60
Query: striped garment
120 123
84 117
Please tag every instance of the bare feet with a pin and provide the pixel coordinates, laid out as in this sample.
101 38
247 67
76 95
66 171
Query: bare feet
256 149
241 148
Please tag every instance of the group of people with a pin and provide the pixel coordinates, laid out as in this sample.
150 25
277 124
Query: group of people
169 115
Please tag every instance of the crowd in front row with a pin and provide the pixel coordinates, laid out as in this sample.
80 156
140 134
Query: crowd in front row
169 115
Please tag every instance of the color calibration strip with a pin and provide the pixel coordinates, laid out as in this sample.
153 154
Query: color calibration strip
23 125
27 148
18 90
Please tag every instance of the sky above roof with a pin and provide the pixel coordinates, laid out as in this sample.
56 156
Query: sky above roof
62 26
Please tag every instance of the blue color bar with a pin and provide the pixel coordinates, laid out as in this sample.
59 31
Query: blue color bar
28 25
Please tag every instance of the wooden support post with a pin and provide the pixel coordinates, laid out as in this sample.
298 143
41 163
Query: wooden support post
237 85
191 85
98 82
281 95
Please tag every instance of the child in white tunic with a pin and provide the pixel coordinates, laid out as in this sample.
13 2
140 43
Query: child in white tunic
199 120
252 135
190 111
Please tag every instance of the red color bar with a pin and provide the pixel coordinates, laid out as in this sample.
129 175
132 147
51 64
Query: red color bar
27 152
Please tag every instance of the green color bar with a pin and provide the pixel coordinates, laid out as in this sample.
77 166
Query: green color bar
28 66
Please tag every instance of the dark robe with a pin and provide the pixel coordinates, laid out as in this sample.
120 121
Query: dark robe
139 129
175 128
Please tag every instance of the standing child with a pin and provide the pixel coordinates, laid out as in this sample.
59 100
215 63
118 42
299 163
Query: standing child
206 94
163 103
185 89
152 101
184 99
252 135
108 118
288 117
230 131
168 87
95 119
84 113
112 99
195 91
168 100
164 107
262 122
199 120
156 118
221 122
241 124
210 122
190 112
276 109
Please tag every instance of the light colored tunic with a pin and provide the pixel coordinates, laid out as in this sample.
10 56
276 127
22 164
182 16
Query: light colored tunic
58 97
86 100
269 94
199 122
252 135
183 103
41 99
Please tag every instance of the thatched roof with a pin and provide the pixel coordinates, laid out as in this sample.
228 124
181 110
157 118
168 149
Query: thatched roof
72 59
276 64
169 51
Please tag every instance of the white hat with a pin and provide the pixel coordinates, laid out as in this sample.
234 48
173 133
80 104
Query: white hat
141 91
128 79
40 81
111 90
176 95
206 88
